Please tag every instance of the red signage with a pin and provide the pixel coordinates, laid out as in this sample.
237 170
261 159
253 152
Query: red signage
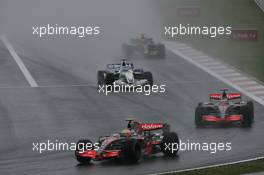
244 34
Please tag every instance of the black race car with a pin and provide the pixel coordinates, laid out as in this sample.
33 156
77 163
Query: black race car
124 73
225 108
145 46
136 140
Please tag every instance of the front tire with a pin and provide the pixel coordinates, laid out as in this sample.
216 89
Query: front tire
198 116
162 51
169 138
247 115
81 143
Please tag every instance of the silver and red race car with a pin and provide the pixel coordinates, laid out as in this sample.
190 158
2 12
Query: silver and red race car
224 108
136 140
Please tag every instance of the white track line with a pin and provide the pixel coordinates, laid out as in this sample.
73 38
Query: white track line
51 86
210 166
204 60
212 63
254 88
215 68
225 71
258 92
201 57
238 79
19 62
246 83
260 4
235 74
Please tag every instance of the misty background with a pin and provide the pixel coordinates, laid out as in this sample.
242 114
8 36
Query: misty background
119 20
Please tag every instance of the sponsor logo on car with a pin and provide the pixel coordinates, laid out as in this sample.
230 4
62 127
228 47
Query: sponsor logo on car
151 126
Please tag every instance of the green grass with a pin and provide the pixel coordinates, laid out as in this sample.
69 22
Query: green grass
246 56
235 169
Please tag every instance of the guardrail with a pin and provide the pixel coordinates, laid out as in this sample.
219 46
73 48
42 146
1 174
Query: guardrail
260 3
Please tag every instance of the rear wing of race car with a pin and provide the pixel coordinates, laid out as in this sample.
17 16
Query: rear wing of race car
151 126
146 126
229 96
232 96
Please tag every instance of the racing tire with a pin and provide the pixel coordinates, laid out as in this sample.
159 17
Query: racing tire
132 150
251 109
161 50
105 78
169 140
100 77
149 77
198 116
247 116
83 160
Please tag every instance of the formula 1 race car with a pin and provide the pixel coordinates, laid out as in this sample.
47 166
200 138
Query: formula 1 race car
145 46
136 140
225 108
124 74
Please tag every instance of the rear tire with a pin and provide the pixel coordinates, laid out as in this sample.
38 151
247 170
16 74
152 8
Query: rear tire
83 160
247 115
149 77
132 150
162 51
198 116
169 138
251 108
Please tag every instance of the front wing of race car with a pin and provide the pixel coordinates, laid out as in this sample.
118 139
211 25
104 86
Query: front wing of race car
97 156
141 82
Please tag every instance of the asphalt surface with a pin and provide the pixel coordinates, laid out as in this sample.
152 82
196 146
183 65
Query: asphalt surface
60 110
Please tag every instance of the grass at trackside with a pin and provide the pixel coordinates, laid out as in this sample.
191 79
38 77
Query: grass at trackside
246 56
235 169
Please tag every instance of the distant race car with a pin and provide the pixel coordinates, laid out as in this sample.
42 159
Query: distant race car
224 108
136 140
145 46
124 74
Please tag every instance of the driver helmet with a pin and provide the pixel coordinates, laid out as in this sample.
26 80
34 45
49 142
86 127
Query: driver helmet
127 132
123 63
224 95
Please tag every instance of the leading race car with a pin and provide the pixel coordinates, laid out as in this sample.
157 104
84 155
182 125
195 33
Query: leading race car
136 140
145 46
124 73
224 108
